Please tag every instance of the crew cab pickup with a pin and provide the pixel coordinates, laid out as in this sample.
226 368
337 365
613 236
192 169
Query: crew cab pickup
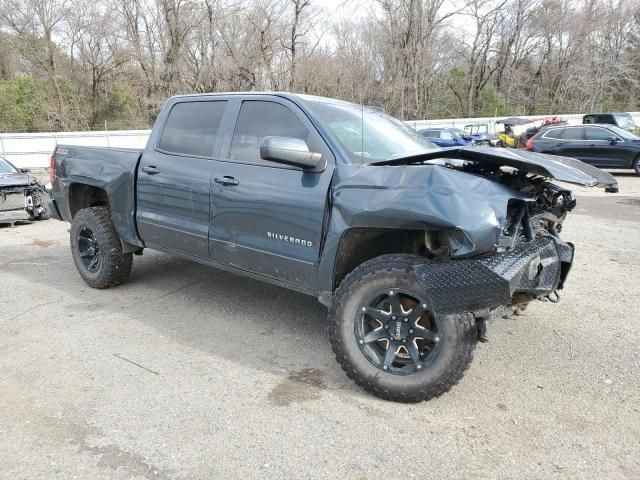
411 247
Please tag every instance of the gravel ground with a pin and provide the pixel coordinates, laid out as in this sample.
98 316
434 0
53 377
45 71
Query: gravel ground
188 372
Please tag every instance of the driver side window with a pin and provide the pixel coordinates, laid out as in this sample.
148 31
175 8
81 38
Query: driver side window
258 119
444 134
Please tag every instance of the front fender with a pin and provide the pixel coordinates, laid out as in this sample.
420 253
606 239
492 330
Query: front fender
415 197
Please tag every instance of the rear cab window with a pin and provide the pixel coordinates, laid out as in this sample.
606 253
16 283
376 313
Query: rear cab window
191 128
605 118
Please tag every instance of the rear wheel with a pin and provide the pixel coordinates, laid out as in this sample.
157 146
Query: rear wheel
386 339
96 249
636 166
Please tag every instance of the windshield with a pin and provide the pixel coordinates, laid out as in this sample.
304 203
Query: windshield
366 134
476 129
625 121
6 167
626 134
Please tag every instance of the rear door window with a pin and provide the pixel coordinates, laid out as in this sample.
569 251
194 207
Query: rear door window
192 128
599 134
258 119
573 134
554 133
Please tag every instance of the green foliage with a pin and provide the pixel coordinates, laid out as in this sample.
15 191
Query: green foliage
119 110
490 104
21 100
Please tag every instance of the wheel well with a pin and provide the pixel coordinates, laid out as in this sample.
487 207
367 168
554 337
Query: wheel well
358 245
85 196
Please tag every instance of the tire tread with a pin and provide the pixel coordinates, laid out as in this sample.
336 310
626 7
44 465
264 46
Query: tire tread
390 263
116 265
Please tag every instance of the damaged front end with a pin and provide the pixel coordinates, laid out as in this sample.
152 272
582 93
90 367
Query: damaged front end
511 278
491 221
22 198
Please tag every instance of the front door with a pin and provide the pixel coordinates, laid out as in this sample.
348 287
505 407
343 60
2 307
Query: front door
267 218
599 150
174 178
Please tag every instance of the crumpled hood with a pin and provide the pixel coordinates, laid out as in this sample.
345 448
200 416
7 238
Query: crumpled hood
422 197
563 169
16 179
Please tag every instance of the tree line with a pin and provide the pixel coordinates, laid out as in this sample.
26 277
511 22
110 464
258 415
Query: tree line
91 64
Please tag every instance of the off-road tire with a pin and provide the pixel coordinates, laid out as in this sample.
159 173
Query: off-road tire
115 266
39 197
636 166
392 271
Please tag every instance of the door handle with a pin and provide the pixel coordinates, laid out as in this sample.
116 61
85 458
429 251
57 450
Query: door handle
151 170
226 180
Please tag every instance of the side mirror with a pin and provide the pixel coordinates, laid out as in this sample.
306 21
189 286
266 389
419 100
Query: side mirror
612 140
289 150
25 170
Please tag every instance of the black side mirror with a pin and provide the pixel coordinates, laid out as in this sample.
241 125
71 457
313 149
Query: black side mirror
25 170
289 150
612 140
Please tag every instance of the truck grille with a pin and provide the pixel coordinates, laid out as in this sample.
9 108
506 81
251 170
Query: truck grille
12 201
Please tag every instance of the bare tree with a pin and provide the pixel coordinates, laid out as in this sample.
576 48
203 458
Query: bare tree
98 59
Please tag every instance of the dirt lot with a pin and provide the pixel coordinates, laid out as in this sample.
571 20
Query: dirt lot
187 372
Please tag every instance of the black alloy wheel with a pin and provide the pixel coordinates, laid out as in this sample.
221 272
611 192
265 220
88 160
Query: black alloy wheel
96 249
89 250
396 333
386 339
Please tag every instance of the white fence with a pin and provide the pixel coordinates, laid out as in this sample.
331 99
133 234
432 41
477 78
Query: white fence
33 150
571 119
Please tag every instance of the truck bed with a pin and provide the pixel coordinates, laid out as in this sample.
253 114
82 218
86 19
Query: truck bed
112 170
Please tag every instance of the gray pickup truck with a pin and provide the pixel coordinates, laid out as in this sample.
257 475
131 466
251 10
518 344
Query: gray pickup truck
411 247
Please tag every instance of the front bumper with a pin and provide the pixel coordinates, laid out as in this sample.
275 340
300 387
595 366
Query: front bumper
534 268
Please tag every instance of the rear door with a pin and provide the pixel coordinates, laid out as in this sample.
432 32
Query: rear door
570 143
600 152
173 205
267 217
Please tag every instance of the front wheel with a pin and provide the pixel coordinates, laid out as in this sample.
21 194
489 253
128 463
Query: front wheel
96 249
386 339
636 166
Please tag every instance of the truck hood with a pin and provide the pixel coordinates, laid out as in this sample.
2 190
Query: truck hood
563 169
15 180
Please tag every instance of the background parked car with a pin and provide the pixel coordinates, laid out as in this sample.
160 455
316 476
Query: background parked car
546 122
446 137
22 196
605 146
480 134
619 119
